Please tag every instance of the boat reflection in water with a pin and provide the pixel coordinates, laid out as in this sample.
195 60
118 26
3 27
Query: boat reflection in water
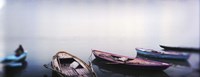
15 69
55 74
104 70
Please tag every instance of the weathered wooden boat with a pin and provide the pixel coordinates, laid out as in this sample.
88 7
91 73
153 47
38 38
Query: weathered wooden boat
180 48
162 54
109 71
68 65
17 59
129 62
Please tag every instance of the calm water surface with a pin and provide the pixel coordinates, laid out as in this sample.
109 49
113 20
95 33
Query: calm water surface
45 27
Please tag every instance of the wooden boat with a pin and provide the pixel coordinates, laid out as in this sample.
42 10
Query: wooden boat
162 54
129 62
109 71
68 65
179 48
17 59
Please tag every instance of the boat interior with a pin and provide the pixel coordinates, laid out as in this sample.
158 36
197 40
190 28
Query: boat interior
70 67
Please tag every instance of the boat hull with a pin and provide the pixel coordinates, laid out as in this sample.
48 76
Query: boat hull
15 59
180 48
108 69
148 68
162 56
133 66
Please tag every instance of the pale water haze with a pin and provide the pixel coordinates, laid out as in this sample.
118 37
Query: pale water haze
45 27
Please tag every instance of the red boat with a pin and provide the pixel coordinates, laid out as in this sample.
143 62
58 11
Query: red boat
129 62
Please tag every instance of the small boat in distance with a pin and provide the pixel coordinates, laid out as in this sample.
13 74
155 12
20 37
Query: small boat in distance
129 62
179 48
67 65
162 54
16 59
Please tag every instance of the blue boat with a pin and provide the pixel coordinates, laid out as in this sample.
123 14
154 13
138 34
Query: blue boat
15 60
162 54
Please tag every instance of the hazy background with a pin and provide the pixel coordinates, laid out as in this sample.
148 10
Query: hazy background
44 27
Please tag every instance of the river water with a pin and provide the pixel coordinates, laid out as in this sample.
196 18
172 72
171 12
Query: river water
45 27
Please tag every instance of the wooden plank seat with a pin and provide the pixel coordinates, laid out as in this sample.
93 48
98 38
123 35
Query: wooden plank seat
82 71
69 71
